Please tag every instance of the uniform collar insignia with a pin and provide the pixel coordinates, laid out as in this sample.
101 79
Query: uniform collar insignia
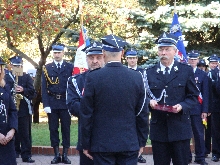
175 68
158 70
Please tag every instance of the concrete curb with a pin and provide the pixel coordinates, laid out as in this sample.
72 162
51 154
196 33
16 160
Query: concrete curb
46 150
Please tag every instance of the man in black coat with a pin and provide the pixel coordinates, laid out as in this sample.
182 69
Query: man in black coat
173 93
132 58
215 108
114 119
200 111
23 91
54 84
75 88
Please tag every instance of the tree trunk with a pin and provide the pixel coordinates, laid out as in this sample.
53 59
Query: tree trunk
37 86
36 104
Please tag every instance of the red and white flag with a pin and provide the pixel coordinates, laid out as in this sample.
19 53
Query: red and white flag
80 64
200 98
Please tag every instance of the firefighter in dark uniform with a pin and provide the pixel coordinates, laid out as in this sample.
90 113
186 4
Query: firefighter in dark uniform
200 111
171 83
8 122
76 84
23 92
54 84
114 119
215 108
132 58
208 136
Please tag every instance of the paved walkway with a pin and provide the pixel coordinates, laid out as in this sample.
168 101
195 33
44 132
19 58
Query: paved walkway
45 160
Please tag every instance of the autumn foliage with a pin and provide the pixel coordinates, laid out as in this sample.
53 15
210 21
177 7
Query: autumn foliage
26 19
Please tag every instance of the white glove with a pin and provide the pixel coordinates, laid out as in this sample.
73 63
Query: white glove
47 110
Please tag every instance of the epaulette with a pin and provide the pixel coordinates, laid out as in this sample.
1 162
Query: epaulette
94 70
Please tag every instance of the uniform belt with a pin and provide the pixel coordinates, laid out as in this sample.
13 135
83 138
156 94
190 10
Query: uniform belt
57 95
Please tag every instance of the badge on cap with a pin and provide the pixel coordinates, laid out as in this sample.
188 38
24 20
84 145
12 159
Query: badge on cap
131 53
193 54
16 60
213 58
113 43
93 48
58 47
167 40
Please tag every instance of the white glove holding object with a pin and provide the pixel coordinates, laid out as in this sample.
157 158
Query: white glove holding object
47 110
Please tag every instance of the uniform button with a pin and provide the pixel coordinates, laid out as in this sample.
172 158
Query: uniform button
3 114
3 121
166 86
168 115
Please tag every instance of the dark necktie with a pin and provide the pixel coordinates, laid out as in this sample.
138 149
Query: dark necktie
58 66
167 71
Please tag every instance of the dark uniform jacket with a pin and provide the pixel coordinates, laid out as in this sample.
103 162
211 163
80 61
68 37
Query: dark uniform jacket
54 95
29 92
140 70
214 75
8 120
114 118
202 82
180 89
9 80
75 90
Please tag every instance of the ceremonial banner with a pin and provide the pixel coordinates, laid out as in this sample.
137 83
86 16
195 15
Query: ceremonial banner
80 64
176 30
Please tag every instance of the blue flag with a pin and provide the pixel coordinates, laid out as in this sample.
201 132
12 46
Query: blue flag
176 30
86 37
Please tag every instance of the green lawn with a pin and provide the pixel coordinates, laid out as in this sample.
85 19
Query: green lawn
41 136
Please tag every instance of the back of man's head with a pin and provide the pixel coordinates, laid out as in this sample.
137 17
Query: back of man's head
113 48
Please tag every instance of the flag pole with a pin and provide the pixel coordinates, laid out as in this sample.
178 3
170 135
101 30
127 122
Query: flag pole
175 7
81 19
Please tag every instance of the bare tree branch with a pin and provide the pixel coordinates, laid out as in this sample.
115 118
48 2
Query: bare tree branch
17 51
57 37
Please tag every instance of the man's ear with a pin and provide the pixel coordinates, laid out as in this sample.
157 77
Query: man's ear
103 52
122 53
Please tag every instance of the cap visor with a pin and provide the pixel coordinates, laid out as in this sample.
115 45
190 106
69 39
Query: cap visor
15 64
193 58
130 55
166 44
94 52
57 50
